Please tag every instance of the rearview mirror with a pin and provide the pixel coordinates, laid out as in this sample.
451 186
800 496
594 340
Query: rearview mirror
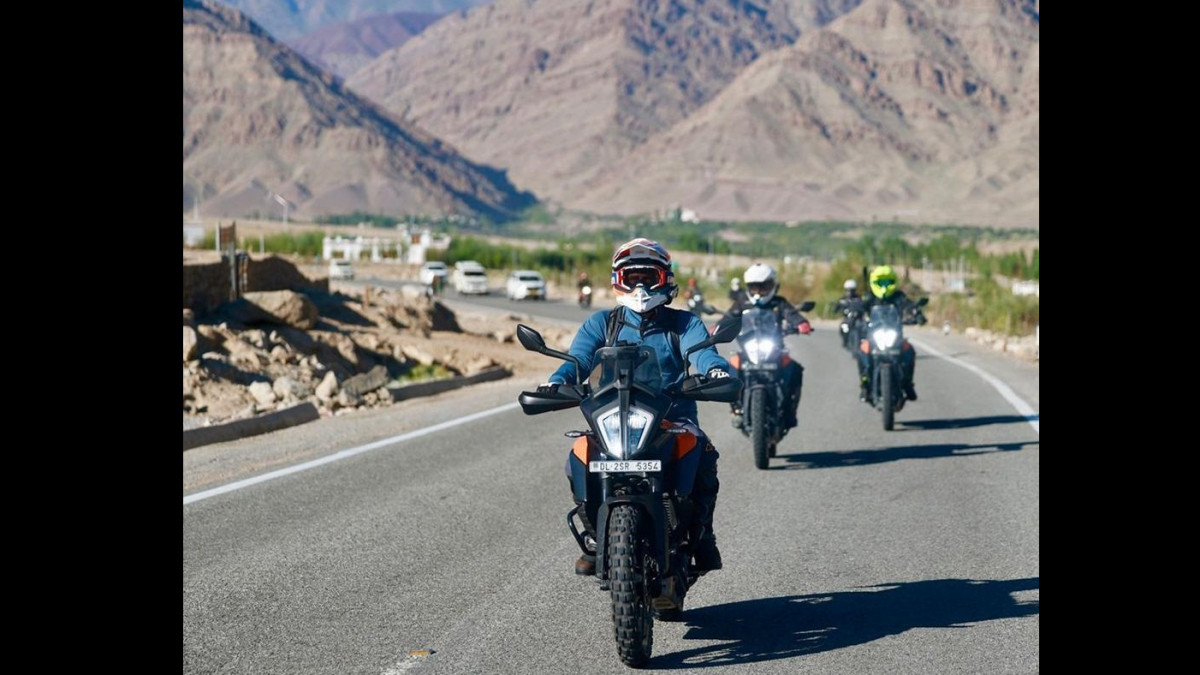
807 305
530 339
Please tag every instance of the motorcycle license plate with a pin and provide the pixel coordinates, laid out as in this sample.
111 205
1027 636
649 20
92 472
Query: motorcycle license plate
625 466
769 365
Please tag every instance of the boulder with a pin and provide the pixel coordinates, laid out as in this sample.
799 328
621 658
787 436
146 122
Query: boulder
288 308
362 383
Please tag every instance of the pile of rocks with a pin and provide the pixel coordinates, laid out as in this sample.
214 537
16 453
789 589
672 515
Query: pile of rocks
272 350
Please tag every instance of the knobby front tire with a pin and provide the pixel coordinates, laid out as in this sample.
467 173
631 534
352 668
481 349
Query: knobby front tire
632 615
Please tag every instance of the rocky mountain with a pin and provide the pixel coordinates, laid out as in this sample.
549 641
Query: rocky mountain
259 121
556 90
289 20
922 111
344 47
918 110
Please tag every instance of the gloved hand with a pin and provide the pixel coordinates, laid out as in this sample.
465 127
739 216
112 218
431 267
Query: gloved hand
717 373
805 328
548 388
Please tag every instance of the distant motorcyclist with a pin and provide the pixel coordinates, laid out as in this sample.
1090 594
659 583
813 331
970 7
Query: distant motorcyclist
761 291
851 299
885 290
737 294
644 283
850 307
695 298
584 294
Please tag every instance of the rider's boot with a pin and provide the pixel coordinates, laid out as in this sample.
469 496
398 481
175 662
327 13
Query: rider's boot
910 392
707 555
793 400
864 389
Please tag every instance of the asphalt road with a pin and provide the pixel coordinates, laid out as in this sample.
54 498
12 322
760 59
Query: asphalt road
383 543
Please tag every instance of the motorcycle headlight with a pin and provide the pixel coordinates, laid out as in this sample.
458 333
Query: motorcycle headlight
885 338
635 431
760 350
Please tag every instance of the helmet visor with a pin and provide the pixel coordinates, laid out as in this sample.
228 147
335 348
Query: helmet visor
761 288
630 277
885 283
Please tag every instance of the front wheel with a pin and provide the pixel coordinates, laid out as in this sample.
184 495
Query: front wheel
632 613
887 396
758 427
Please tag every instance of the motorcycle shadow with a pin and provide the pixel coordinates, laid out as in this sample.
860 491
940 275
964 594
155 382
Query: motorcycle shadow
784 627
965 422
849 458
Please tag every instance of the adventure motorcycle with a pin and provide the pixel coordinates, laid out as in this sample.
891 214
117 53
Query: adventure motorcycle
585 296
883 343
760 361
632 473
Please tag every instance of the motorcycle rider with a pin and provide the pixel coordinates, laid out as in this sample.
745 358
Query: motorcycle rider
761 291
885 289
850 302
737 295
580 284
644 284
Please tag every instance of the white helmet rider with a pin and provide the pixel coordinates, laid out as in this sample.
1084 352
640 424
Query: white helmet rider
760 283
850 285
641 275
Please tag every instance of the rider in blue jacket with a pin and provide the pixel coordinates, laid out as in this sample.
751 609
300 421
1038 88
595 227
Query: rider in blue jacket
644 283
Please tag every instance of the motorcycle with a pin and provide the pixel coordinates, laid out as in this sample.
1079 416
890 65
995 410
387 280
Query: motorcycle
883 344
585 297
632 472
760 361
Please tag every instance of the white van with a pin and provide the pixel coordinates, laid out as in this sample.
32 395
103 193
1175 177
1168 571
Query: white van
470 278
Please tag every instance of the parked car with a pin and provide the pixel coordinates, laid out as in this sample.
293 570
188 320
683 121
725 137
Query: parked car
431 269
340 268
470 278
526 284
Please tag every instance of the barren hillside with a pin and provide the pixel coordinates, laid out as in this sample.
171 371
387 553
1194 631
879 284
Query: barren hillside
264 130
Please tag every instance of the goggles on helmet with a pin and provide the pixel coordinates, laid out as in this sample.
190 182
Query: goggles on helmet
631 276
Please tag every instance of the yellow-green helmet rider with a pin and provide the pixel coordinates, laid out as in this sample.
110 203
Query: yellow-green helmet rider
883 282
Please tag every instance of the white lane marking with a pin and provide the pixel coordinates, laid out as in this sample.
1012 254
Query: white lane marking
404 666
344 454
1009 395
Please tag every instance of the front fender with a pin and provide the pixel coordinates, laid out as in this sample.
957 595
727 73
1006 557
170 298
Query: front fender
652 506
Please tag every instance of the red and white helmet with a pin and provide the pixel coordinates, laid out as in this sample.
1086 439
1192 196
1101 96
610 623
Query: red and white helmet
760 283
641 275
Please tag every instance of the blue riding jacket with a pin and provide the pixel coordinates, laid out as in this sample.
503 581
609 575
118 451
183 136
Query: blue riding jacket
652 331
